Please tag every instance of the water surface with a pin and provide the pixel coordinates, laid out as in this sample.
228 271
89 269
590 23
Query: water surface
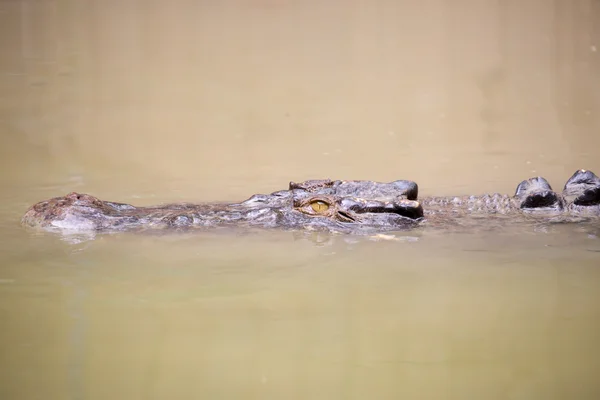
150 102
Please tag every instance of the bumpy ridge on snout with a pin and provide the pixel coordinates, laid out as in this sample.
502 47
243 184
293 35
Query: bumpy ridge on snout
384 191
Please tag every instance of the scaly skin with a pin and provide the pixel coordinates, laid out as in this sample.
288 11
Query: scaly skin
337 206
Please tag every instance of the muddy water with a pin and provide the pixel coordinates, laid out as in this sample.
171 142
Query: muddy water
148 102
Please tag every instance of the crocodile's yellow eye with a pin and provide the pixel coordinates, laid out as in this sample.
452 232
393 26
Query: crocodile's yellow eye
319 206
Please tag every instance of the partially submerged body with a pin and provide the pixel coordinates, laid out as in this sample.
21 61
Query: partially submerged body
337 206
534 200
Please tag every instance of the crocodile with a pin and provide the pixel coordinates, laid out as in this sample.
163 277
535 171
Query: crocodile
346 206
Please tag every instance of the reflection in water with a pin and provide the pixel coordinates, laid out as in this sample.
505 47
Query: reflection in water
266 314
199 101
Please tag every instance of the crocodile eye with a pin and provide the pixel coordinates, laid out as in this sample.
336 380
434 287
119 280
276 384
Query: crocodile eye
319 206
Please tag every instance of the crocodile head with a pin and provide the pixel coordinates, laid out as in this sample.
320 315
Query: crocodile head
343 206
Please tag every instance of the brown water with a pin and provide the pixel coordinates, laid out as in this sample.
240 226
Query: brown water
148 102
